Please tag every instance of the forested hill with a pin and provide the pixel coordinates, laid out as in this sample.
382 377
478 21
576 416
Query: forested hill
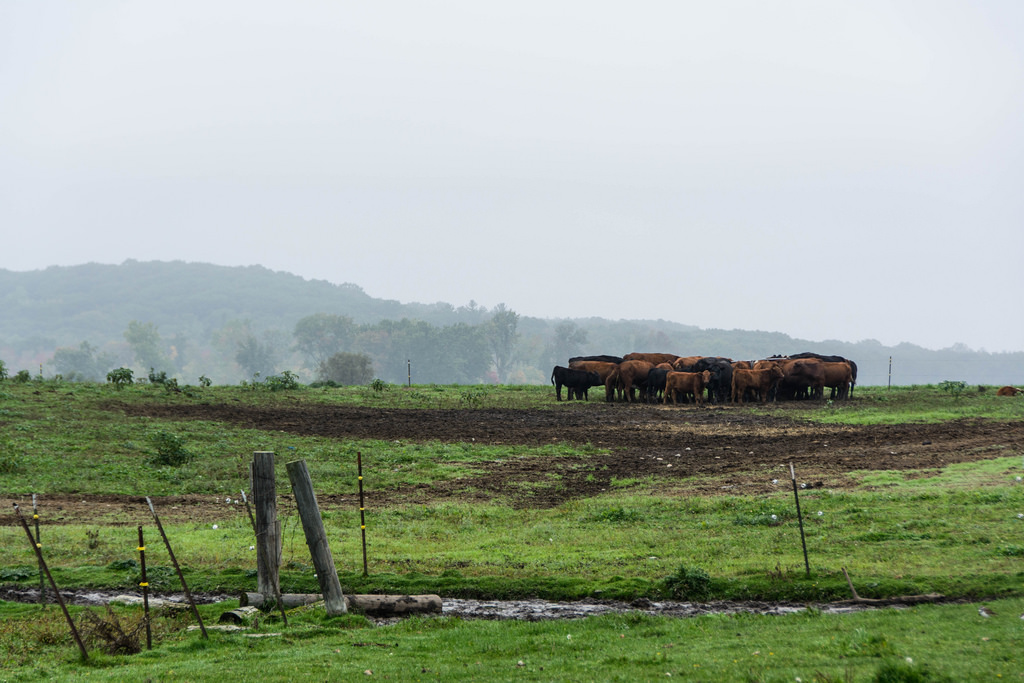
229 322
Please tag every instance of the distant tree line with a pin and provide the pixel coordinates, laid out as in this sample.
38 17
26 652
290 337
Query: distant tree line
231 324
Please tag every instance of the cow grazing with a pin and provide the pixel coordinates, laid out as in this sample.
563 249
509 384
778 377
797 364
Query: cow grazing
760 382
1008 391
576 381
684 384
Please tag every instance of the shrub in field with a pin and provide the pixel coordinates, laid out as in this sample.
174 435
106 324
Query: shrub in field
690 583
23 377
157 377
170 449
121 377
955 388
3 370
285 381
205 381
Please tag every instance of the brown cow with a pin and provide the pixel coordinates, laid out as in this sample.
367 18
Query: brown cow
602 368
628 373
838 377
685 383
652 358
685 363
800 376
761 382
1008 391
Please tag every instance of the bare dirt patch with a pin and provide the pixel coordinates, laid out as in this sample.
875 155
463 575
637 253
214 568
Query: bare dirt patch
720 450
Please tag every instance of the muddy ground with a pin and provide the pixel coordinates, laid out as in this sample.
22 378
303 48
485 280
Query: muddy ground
718 450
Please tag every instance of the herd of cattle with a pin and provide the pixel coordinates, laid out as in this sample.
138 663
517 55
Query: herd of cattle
667 377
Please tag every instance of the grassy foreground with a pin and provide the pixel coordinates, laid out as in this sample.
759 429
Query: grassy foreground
957 531
927 643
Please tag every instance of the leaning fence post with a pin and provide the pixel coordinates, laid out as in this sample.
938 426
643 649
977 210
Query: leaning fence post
181 577
316 538
807 564
53 584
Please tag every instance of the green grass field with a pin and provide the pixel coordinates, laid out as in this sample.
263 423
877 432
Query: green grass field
954 530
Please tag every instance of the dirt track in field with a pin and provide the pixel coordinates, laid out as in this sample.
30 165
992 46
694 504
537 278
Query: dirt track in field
719 450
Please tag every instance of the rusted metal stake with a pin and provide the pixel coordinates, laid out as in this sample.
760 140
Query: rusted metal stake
42 579
362 510
145 589
807 564
277 588
53 584
184 586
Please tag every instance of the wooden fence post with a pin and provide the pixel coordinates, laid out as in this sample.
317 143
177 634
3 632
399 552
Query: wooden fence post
267 526
316 537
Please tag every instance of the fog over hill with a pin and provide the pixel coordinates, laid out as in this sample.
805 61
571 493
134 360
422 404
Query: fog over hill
227 323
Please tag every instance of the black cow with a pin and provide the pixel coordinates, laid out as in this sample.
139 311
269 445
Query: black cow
720 385
576 381
656 384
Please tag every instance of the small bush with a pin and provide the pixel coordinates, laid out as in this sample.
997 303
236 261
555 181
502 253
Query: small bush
615 515
170 450
379 385
689 583
3 370
157 377
955 388
286 381
121 377
23 377
205 381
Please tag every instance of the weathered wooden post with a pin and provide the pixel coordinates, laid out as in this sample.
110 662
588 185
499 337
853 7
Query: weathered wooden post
316 537
267 526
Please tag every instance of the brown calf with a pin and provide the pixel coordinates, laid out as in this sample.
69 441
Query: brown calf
686 383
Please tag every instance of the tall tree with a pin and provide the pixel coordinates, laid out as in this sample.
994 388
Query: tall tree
144 338
346 369
83 363
254 356
321 335
502 335
568 340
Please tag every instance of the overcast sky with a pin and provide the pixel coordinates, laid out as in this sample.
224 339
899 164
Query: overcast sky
829 170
